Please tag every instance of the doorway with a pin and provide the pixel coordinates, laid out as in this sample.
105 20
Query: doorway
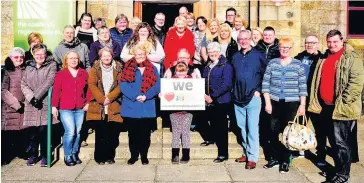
169 9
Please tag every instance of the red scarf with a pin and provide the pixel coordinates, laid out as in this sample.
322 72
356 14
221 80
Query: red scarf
149 78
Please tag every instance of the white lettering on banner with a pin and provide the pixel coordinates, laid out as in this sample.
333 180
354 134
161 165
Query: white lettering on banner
182 94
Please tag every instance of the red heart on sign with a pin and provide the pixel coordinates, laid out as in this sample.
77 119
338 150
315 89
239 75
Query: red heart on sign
169 96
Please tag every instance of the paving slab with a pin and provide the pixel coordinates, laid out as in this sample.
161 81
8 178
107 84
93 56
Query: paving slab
239 173
185 173
58 172
120 171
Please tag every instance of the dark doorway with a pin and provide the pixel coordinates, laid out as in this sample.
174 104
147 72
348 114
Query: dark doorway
170 10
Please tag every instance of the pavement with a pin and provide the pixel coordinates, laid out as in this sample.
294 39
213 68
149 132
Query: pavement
162 171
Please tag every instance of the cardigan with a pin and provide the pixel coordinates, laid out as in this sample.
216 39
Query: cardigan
295 80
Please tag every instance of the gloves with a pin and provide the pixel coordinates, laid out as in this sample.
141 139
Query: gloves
36 103
21 109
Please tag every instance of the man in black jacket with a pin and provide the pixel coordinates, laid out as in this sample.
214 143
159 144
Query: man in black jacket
269 44
230 16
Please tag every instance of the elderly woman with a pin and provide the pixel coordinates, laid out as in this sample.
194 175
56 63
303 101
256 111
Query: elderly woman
104 105
228 45
219 81
12 106
181 121
144 34
177 38
212 32
134 22
284 89
140 84
239 25
36 81
33 39
104 41
85 30
69 96
257 35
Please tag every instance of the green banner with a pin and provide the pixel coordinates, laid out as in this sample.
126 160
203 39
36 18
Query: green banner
46 17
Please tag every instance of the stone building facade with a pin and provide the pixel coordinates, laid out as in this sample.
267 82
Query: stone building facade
292 18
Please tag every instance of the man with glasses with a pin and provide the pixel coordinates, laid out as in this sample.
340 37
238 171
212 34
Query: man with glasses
249 65
230 16
158 28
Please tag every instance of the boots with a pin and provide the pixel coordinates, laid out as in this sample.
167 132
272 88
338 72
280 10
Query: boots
185 155
175 155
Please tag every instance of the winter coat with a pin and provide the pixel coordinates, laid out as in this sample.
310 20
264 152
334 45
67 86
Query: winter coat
64 47
219 81
95 109
122 37
161 34
12 99
231 49
36 83
349 79
269 51
28 55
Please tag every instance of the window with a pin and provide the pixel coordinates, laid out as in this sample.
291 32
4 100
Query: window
355 12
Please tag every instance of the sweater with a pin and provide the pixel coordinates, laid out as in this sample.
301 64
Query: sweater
96 46
249 71
295 80
130 106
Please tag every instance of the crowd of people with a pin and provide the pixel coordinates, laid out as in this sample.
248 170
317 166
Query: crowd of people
108 78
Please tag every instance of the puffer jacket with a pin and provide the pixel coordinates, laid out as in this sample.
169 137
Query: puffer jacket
11 97
269 51
231 49
349 79
219 81
95 109
36 83
64 47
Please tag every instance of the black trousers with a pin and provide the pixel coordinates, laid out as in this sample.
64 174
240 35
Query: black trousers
14 143
139 130
84 130
264 131
217 129
106 139
282 112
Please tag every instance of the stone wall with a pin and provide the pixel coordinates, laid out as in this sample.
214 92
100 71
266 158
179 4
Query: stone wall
7 37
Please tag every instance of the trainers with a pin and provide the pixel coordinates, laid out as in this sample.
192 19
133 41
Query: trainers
43 162
284 168
32 160
271 164
337 179
321 164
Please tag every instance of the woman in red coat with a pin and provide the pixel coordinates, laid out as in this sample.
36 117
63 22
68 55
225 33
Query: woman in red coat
177 38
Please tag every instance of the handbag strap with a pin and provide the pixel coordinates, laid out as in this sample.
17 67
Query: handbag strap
304 121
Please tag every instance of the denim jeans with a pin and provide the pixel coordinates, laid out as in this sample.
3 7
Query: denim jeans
72 122
247 118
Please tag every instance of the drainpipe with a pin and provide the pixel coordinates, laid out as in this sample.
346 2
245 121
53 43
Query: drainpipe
76 12
258 13
85 6
249 21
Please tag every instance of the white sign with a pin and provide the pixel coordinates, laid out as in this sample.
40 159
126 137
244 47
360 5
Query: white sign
182 94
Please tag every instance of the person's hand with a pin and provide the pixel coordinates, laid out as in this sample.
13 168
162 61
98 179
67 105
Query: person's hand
21 109
301 110
107 101
257 94
268 108
141 98
55 112
85 108
160 95
208 99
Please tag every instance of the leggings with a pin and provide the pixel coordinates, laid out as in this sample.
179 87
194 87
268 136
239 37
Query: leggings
181 122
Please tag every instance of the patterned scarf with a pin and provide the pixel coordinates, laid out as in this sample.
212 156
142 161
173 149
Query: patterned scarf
149 78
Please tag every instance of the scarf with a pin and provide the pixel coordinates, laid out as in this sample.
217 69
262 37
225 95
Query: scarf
149 78
109 44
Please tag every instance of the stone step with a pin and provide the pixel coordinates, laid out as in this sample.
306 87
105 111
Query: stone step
163 151
164 135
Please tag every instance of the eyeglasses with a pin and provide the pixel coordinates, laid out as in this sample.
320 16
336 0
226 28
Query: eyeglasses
40 55
310 43
243 39
183 58
285 48
17 57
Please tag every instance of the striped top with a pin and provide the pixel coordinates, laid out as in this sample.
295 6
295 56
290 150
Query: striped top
294 84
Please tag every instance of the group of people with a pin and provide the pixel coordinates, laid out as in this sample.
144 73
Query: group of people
111 77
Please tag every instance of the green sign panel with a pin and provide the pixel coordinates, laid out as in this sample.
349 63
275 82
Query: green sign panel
46 17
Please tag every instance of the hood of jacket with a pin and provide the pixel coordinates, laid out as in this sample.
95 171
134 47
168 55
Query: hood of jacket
72 44
9 65
263 45
48 60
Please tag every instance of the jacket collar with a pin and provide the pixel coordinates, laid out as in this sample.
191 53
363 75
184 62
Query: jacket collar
261 43
348 49
9 65
118 67
48 60
222 61
74 43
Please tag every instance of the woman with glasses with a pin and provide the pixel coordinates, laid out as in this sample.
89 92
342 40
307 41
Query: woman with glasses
285 90
36 81
144 34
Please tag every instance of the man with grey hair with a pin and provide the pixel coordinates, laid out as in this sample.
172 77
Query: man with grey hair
70 42
183 11
158 28
249 65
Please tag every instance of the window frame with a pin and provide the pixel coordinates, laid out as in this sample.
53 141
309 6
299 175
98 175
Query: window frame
347 20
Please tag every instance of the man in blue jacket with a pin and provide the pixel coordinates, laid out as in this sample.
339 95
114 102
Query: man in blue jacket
249 66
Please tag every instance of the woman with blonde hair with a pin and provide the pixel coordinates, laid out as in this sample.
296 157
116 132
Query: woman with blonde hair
239 25
69 102
212 31
33 39
227 43
257 35
134 22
